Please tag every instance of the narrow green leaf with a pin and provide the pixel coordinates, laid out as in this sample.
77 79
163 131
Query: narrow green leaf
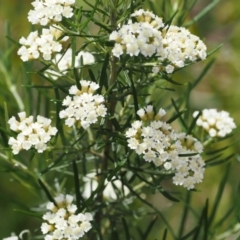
95 8
39 103
99 189
169 22
135 99
167 89
29 213
176 116
114 233
151 206
58 120
42 70
127 234
202 74
177 110
225 217
201 220
193 123
205 222
219 195
213 158
188 235
77 76
103 81
165 235
13 40
6 117
49 196
214 50
166 194
185 213
202 13
187 154
39 86
167 78
73 45
116 125
4 134
77 185
149 228
90 72
53 164
114 172
217 162
222 149
102 25
53 82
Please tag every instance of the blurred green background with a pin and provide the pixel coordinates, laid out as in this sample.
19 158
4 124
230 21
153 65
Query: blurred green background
219 89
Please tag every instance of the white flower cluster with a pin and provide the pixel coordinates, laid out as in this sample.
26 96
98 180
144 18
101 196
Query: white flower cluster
30 134
217 124
64 62
84 107
157 142
109 191
62 222
13 237
142 36
47 11
173 46
180 46
35 46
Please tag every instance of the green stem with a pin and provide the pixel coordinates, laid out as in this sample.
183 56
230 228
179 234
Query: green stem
112 105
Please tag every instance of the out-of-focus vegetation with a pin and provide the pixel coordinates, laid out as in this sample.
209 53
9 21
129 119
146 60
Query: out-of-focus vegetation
219 89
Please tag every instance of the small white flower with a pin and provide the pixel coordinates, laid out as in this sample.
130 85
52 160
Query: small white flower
84 107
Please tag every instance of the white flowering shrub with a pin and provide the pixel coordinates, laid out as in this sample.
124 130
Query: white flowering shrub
117 141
